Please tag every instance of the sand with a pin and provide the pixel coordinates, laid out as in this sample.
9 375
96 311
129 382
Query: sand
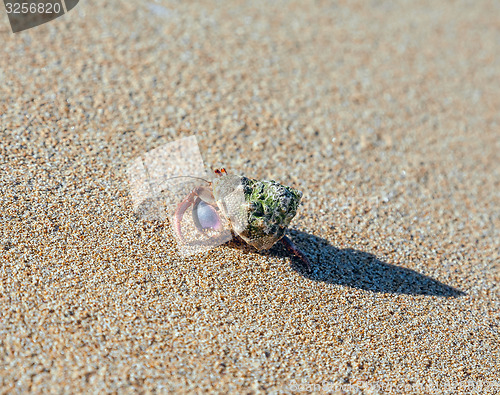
384 114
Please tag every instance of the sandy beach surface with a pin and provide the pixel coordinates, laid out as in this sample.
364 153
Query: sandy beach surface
384 114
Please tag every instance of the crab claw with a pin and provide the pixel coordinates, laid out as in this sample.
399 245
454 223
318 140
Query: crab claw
204 213
205 216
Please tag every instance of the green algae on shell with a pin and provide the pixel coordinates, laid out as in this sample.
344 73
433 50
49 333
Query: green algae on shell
259 211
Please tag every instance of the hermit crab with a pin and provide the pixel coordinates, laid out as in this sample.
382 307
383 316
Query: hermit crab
259 212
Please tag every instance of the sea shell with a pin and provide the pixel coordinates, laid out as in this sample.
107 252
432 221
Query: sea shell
259 211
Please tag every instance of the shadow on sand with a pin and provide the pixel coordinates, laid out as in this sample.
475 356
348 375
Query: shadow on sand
355 268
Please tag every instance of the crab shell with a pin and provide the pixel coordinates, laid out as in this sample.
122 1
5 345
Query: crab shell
258 211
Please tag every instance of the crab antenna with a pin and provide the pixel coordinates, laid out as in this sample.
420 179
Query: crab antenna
193 177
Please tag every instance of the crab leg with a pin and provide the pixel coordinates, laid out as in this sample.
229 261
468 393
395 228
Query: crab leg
181 209
295 251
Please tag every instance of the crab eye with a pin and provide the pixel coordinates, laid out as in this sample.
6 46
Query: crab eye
205 216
